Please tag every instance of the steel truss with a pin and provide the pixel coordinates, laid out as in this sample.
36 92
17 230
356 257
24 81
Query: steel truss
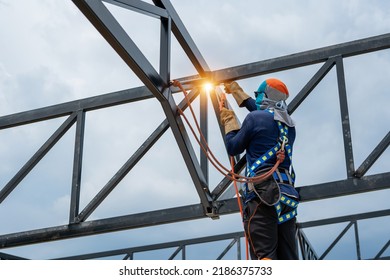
157 85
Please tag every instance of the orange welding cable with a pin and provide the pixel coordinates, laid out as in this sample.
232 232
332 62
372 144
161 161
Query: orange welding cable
241 209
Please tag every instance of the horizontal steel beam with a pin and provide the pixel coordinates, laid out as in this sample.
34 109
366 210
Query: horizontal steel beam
67 108
140 7
234 73
301 59
345 187
86 104
184 213
87 228
347 218
4 256
227 236
173 244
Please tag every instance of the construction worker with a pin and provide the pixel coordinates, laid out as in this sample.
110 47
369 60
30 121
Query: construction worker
269 222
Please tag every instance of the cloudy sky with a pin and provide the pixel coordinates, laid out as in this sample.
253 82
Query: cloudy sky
50 53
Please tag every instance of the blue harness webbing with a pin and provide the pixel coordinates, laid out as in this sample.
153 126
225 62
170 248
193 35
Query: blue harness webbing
251 172
289 202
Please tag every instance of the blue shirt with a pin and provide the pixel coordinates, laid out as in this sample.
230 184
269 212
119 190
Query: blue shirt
259 133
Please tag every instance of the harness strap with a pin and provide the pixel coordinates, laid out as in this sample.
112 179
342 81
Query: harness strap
269 154
283 177
289 202
283 131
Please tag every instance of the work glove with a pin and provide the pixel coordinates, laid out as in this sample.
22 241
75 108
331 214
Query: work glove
239 95
229 121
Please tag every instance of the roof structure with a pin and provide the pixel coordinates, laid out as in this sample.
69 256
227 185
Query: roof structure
215 200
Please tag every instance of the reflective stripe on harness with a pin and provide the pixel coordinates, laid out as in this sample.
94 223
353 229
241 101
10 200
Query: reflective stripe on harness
289 202
269 154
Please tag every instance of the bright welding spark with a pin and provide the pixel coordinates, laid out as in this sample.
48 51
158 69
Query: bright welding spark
208 87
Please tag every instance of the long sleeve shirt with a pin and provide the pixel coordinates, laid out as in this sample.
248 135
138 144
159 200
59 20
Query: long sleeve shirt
259 133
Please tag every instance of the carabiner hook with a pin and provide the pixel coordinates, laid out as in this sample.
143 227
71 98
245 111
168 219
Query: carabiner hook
284 142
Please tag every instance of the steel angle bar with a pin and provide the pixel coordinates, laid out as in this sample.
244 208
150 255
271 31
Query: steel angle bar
36 158
375 154
306 58
127 222
133 160
85 104
173 244
346 129
111 30
307 250
309 87
122 172
203 123
378 256
345 187
336 240
225 183
4 256
184 38
157 217
67 108
224 252
140 7
347 218
357 240
188 153
177 251
165 49
77 167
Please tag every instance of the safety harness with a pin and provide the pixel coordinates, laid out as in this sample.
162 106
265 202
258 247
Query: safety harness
280 177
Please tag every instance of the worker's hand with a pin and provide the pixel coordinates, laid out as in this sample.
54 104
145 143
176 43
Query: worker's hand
228 120
232 87
226 115
239 95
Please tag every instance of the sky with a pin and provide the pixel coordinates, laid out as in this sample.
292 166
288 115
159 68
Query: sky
50 54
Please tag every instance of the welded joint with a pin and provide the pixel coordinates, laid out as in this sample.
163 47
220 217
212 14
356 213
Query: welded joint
212 210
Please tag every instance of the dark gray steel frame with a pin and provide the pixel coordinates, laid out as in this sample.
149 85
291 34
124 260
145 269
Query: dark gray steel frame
157 85
306 249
